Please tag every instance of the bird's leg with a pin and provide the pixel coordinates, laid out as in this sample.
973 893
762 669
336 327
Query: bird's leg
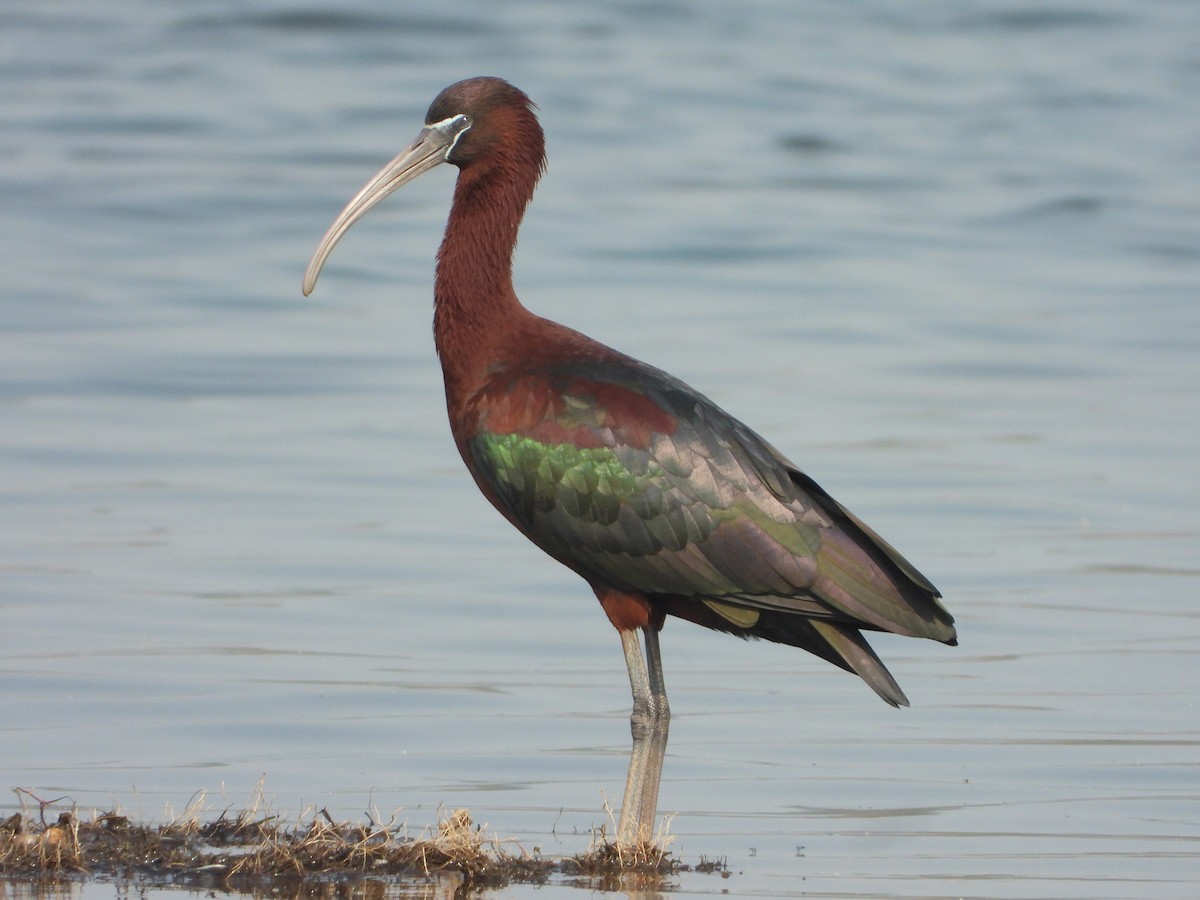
648 723
628 831
660 719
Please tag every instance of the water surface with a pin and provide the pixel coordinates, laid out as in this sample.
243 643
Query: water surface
944 256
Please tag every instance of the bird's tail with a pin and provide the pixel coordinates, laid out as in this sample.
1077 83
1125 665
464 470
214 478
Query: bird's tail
852 647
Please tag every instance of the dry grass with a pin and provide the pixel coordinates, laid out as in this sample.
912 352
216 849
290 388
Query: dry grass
253 848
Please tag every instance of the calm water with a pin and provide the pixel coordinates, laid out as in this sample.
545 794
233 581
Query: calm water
946 256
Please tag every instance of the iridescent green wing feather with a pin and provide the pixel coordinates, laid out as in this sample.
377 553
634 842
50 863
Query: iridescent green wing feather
634 480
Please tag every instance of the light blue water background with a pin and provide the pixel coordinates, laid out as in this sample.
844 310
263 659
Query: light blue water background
945 255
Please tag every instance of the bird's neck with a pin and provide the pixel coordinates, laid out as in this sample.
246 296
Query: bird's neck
475 306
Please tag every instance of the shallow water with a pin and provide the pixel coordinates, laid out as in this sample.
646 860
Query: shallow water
944 255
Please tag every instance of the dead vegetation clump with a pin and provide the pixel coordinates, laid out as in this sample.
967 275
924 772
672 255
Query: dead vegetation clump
252 848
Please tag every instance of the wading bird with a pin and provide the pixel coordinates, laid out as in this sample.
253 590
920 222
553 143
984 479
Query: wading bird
664 503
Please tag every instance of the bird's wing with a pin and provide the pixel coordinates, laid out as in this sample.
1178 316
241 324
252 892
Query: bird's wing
634 480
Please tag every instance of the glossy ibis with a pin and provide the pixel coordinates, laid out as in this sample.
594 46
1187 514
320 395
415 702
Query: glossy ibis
664 503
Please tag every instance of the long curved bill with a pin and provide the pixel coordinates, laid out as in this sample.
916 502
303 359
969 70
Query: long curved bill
432 147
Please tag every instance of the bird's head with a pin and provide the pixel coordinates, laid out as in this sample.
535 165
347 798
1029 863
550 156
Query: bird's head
485 126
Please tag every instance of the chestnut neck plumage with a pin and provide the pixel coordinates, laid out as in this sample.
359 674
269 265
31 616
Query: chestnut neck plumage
475 306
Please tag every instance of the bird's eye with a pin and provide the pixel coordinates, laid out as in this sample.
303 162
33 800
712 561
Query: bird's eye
460 125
